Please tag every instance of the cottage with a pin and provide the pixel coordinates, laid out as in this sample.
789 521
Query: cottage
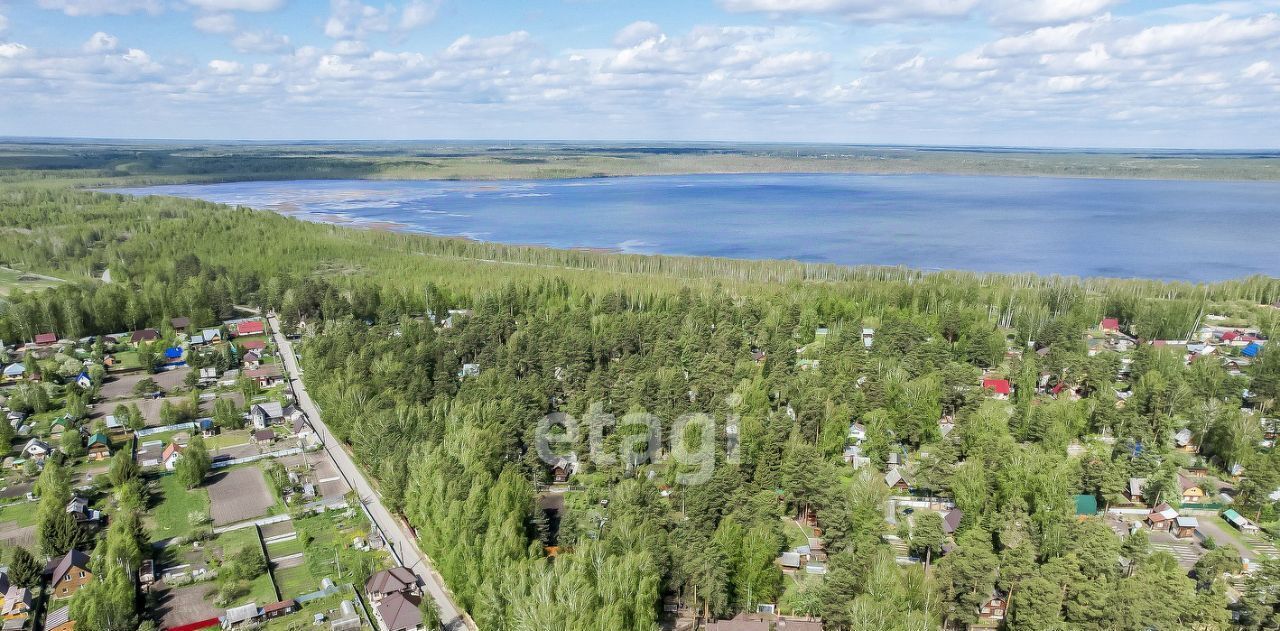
172 453
396 580
266 414
1182 440
248 327
790 560
84 381
99 446
45 339
1161 517
144 335
275 610
78 508
264 437
1191 491
267 376
399 612
70 574
741 623
301 428
999 388
1184 527
1133 492
951 520
1110 325
1252 349
251 360
1240 522
180 323
469 370
895 480
992 611
562 468
206 427
59 620
244 615
60 425
257 346
857 432
17 603
36 449
15 372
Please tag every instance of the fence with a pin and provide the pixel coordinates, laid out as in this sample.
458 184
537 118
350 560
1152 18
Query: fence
219 464
147 431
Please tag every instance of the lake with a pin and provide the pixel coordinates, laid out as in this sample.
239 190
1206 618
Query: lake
1184 230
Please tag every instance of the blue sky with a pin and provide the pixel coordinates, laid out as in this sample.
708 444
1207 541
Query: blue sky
1102 73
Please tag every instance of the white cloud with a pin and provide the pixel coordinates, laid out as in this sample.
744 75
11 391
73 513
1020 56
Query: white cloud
264 42
1045 11
256 6
1222 34
13 50
78 8
467 48
224 67
352 19
101 43
137 56
1257 70
636 33
216 23
876 10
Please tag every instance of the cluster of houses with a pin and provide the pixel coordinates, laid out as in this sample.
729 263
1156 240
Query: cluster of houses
251 615
395 595
66 575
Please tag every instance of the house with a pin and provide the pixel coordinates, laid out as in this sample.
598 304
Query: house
84 381
59 620
562 468
857 432
301 428
275 610
1110 325
145 335
249 327
1251 350
951 520
399 612
1133 492
266 414
1191 492
70 574
59 425
252 345
1183 440
15 372
868 337
741 623
1240 522
251 360
78 508
37 450
790 560
99 446
992 611
264 437
244 615
895 480
469 370
999 388
798 625
266 376
397 580
172 356
207 428
1184 527
1161 517
172 453
180 323
45 339
17 603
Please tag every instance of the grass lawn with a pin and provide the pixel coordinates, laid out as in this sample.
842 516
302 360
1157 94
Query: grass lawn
296 581
284 548
125 360
260 590
796 536
172 515
11 279
226 439
21 513
302 618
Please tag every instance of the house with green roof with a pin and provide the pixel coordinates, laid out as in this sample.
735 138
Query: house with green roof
99 446
1240 522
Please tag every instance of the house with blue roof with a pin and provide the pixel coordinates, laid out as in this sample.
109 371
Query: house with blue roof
14 372
1251 350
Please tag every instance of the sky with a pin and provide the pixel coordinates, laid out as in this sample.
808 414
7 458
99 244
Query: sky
1045 73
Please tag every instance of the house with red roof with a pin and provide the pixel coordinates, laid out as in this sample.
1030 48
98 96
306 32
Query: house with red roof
999 388
44 339
1110 325
251 327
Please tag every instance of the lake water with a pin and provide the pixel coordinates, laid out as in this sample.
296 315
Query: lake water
1189 230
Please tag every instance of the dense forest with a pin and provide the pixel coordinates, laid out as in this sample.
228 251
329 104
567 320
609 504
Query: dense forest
772 354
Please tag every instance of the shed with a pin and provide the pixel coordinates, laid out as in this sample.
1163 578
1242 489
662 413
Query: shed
1086 505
